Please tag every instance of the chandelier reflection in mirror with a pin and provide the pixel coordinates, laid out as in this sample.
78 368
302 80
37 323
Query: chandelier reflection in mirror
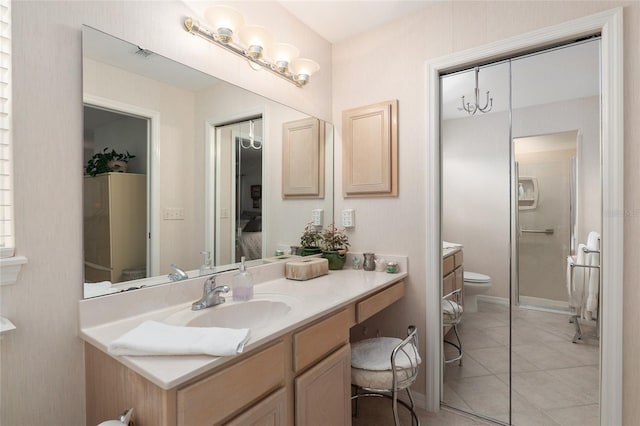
253 43
473 108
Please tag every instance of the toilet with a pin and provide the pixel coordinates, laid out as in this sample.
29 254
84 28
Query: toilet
474 284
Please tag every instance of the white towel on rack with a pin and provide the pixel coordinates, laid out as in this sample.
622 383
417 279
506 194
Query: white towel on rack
593 259
576 281
156 338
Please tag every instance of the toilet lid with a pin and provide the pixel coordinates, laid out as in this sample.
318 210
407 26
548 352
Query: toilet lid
474 277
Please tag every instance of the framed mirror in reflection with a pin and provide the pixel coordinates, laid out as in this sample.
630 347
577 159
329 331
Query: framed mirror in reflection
202 186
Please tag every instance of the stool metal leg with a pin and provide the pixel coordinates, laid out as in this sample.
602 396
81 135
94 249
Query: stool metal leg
458 346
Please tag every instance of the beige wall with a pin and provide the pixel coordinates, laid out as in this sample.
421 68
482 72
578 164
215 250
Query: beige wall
390 64
42 373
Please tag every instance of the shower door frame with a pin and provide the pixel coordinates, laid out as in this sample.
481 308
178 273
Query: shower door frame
609 25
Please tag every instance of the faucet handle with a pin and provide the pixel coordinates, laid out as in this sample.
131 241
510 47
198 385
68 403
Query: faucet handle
210 284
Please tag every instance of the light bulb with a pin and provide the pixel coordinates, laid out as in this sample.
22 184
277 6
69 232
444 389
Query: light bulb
282 54
225 20
303 69
256 39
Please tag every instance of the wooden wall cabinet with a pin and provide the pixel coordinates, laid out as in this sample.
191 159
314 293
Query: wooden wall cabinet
370 150
303 147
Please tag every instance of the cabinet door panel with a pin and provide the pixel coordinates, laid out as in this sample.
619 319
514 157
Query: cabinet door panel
303 159
370 150
323 393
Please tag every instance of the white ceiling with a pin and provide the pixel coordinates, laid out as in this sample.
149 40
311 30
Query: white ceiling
337 20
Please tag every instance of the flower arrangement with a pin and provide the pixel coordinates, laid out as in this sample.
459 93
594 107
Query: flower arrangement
311 237
334 239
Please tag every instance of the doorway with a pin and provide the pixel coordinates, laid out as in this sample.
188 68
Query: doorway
548 231
608 23
116 248
238 191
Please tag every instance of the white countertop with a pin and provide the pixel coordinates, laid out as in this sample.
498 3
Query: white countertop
106 318
448 251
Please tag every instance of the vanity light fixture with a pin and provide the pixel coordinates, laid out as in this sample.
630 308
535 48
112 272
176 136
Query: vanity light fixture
473 108
254 43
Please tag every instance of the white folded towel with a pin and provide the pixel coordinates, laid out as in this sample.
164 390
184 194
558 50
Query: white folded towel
593 282
576 286
156 338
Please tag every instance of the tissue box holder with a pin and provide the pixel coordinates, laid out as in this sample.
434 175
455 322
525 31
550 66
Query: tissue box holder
306 269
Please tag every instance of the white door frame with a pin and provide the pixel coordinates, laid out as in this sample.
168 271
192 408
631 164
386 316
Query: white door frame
153 175
609 25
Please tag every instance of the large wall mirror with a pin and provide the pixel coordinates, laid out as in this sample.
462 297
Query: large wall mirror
202 186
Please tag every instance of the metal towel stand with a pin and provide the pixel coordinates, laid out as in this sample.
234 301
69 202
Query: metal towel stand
575 318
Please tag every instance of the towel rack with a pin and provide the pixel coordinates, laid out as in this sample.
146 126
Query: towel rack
586 250
573 265
575 318
547 231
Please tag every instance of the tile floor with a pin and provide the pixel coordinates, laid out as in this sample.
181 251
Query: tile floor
377 412
555 382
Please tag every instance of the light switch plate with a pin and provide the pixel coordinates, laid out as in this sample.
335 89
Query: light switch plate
348 218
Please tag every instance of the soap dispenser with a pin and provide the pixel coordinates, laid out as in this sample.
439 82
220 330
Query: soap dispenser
242 283
206 267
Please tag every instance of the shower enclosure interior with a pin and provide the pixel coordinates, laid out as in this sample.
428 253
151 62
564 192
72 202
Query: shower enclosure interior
520 189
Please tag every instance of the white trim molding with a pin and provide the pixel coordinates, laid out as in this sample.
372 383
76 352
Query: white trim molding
609 25
153 168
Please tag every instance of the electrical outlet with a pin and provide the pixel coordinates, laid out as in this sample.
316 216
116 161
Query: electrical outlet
316 217
348 218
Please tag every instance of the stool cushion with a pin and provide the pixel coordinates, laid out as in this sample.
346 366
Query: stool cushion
380 380
375 354
451 311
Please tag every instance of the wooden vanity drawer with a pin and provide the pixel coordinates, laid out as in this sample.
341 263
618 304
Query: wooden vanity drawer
448 283
448 264
374 304
214 398
457 259
320 339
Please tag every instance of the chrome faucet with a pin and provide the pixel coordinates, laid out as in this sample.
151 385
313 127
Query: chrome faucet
211 295
177 274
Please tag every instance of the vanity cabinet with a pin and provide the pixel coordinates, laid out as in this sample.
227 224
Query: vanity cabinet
452 272
300 378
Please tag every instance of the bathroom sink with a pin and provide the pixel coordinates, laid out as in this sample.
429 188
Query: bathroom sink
253 314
